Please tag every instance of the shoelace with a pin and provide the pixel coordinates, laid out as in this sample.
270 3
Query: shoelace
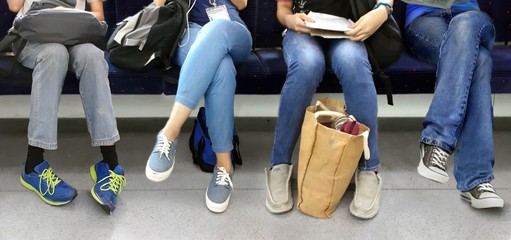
439 157
485 187
51 181
223 178
114 182
163 146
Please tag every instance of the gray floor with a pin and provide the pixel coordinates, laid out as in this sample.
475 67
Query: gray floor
411 207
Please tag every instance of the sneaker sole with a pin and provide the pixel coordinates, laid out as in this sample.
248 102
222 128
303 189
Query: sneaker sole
105 207
281 208
52 203
365 214
430 174
94 177
481 204
157 176
217 207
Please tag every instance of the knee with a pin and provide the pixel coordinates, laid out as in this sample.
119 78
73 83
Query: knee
305 72
309 65
350 58
472 23
89 54
54 54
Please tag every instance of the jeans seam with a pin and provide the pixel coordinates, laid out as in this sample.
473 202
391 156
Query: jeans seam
437 143
457 129
475 183
189 104
43 145
106 141
224 148
369 169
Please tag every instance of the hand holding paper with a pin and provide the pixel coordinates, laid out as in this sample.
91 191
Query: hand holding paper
328 26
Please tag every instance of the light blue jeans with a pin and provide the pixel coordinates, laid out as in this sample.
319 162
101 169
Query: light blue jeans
460 118
306 58
50 63
207 64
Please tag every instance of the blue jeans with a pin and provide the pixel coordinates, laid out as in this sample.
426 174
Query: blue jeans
50 63
207 64
460 117
306 58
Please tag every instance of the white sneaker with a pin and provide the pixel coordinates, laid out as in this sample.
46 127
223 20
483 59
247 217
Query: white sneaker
483 196
279 197
366 202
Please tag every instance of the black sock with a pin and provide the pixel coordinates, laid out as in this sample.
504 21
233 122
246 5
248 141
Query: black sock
110 156
34 158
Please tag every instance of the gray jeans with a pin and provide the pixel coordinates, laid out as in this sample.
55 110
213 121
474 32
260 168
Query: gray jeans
50 63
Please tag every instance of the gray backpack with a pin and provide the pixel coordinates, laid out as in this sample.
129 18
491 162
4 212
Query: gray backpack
38 25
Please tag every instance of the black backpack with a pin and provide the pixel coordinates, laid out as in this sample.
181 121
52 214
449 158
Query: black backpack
150 37
383 47
200 145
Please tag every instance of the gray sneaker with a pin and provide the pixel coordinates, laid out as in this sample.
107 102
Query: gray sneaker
483 196
366 202
279 197
161 161
219 190
432 164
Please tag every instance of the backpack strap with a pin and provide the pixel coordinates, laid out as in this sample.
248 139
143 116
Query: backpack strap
380 75
11 38
235 153
184 12
8 40
167 60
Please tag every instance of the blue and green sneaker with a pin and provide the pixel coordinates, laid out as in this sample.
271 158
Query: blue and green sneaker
108 184
50 188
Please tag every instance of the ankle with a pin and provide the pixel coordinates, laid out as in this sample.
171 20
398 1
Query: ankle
228 168
110 156
170 134
35 157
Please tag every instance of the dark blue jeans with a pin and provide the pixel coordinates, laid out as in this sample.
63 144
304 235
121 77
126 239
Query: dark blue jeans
460 118
306 58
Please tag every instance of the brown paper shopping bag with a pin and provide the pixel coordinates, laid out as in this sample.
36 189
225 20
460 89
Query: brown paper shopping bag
327 159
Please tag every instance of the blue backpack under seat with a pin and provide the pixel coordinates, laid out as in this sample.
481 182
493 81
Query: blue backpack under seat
200 145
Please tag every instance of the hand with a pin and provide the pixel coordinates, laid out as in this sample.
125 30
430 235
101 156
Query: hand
368 24
159 3
297 21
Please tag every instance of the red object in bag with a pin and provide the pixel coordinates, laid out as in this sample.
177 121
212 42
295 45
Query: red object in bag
350 127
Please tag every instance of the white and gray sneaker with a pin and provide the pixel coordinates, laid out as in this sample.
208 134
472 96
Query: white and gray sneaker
219 190
432 163
162 158
483 196
279 197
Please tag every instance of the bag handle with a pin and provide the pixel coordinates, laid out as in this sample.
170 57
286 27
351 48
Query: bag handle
329 114
365 134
